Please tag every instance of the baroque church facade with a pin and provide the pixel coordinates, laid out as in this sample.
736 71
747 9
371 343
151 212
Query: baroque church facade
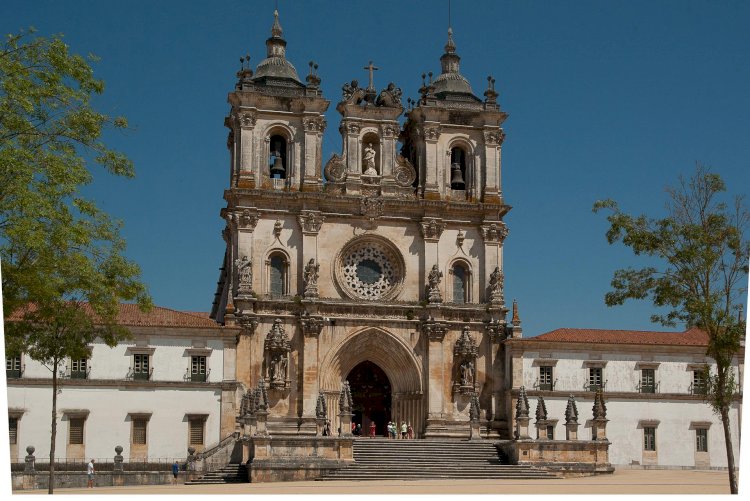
382 266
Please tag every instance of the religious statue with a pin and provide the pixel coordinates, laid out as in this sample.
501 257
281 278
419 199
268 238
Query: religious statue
310 278
433 285
245 273
278 368
369 161
467 374
496 286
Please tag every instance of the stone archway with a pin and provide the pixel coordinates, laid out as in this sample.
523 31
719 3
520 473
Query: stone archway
390 354
371 396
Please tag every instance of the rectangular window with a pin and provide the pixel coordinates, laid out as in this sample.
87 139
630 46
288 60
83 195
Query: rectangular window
649 439
595 378
699 383
198 368
13 430
76 431
701 440
13 367
196 431
140 366
648 378
78 368
545 378
551 432
139 431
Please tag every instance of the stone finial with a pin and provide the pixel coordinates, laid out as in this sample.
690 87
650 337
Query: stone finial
541 410
516 321
345 398
29 466
474 410
600 409
276 30
571 411
118 449
261 403
321 409
522 405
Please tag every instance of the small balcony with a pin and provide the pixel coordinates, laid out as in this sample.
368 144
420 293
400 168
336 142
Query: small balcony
140 375
648 387
698 388
196 377
14 373
595 386
546 386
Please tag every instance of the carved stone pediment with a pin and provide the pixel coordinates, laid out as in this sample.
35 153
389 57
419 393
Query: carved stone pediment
494 232
335 169
404 172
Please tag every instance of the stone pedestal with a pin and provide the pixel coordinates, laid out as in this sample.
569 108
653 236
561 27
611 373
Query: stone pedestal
345 418
474 431
261 429
320 424
600 427
522 428
571 431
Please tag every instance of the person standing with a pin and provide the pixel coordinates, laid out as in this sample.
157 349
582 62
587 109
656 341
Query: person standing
403 430
372 429
409 431
90 470
175 471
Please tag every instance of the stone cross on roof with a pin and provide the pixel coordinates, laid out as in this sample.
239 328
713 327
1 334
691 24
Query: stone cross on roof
371 68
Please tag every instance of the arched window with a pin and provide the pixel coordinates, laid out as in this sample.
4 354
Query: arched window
277 162
277 283
458 168
460 284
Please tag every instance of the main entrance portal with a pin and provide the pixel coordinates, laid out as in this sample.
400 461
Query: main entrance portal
371 396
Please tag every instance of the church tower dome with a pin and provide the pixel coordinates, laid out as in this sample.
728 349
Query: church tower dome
276 65
451 83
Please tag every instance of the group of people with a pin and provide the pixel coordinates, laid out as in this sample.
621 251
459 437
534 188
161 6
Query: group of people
405 431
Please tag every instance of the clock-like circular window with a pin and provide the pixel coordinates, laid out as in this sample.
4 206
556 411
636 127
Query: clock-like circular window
370 268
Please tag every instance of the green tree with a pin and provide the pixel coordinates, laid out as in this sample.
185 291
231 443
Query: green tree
701 279
63 270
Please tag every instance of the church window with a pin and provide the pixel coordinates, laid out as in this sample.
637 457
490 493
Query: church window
701 440
458 168
460 284
649 438
277 163
278 275
198 370
75 435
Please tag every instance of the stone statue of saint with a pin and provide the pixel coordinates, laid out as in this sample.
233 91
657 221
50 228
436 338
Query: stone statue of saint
434 277
496 285
245 272
310 279
467 374
370 161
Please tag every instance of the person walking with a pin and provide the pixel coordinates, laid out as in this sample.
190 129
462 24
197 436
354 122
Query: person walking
372 429
403 430
409 431
175 471
90 470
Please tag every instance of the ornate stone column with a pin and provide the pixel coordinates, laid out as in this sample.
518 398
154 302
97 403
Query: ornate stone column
495 333
493 234
493 140
321 414
431 228
600 416
474 415
311 326
541 419
244 137
433 172
436 365
314 127
310 222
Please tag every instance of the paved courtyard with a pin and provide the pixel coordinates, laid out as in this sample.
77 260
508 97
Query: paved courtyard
621 482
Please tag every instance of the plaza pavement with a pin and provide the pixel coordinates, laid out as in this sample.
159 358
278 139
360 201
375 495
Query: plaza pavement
620 482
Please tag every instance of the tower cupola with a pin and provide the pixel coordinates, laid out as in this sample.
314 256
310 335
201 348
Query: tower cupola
275 66
451 84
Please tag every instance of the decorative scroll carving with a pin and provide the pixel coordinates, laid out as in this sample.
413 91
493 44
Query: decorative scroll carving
494 137
433 285
371 207
247 219
495 288
335 169
312 325
435 331
310 279
494 232
310 221
248 323
465 353
245 273
432 229
404 174
495 330
246 120
431 133
277 348
390 130
314 124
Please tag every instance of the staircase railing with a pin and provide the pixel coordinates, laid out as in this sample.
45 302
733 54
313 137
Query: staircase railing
217 456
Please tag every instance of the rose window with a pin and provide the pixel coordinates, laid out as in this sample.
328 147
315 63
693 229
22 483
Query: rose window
370 270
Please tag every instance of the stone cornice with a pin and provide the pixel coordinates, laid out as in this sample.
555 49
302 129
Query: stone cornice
104 383
531 344
620 395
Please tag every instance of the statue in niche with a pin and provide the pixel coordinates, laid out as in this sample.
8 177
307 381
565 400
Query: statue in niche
310 279
433 285
467 373
245 272
369 161
496 285
278 368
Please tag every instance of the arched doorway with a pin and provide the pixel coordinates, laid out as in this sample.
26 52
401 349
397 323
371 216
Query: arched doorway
371 396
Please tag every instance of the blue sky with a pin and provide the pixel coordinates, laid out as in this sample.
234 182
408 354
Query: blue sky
606 100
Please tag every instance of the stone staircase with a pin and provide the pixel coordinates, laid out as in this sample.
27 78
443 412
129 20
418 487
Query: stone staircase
231 473
384 459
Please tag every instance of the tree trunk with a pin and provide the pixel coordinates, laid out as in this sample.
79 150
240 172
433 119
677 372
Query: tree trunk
54 428
730 452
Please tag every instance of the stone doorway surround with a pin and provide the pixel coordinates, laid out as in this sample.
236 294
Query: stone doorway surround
371 393
397 360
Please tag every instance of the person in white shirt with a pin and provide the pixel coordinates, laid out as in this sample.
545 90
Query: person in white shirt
90 471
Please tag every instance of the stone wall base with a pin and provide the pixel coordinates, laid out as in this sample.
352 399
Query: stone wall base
279 459
568 457
77 479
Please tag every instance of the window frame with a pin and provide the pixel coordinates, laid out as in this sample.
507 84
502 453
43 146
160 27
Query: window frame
14 366
75 420
701 440
546 378
649 438
141 370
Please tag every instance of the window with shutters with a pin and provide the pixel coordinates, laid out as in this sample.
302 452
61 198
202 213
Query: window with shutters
13 367
139 431
595 378
699 383
79 368
701 440
278 278
545 378
13 430
196 431
76 431
649 438
198 368
141 366
460 284
648 381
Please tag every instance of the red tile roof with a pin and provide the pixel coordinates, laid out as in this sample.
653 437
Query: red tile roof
691 337
131 315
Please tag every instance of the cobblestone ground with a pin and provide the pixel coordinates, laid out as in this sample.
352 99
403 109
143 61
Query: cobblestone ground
621 482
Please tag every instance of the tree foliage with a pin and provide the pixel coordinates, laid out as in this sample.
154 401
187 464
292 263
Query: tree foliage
701 278
63 269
